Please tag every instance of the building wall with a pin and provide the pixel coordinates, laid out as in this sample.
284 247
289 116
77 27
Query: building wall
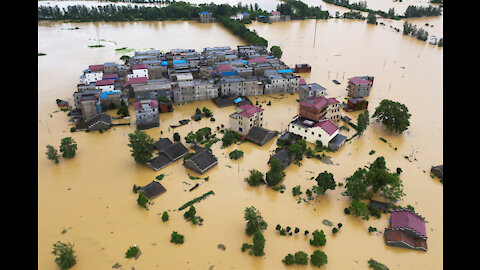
147 118
92 77
312 134
106 88
358 90
89 109
231 89
242 125
334 112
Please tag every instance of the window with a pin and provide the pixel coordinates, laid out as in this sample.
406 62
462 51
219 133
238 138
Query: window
240 129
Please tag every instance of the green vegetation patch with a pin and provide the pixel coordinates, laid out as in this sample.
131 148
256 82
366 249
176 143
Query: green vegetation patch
196 200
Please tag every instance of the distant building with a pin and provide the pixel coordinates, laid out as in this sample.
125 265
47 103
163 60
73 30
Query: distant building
138 70
311 91
90 105
146 112
205 17
274 16
407 230
153 90
324 130
359 86
105 85
355 104
231 86
246 117
92 74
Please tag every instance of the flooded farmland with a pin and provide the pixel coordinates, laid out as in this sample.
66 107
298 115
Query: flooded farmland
90 196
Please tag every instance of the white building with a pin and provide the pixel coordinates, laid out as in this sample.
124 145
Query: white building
324 130
105 85
92 74
138 70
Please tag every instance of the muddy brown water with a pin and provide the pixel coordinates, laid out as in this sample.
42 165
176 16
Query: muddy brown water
91 195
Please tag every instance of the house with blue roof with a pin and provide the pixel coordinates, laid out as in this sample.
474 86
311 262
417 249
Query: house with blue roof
205 17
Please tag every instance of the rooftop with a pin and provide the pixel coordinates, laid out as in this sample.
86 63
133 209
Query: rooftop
95 67
139 66
152 190
105 82
408 219
249 110
358 80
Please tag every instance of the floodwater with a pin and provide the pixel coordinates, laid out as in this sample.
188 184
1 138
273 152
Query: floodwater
90 196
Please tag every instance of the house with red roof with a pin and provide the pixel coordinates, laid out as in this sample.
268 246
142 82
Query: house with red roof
146 113
246 117
359 86
138 70
105 85
92 74
311 131
320 108
274 16
407 230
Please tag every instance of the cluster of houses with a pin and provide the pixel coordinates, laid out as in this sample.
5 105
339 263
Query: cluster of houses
274 16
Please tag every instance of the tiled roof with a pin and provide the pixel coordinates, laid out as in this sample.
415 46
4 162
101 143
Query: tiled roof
358 80
224 67
138 105
95 67
105 82
327 125
136 80
275 13
110 76
249 110
162 143
152 190
407 219
139 66
257 59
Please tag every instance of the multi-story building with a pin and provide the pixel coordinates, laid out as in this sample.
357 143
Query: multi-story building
146 112
205 89
139 70
90 105
275 82
320 108
246 117
205 17
311 91
231 86
359 86
292 82
311 131
153 89
110 67
105 85
252 87
92 74
274 16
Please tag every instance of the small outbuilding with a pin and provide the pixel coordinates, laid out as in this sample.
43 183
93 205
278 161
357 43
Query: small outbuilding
282 155
201 162
260 135
337 142
437 171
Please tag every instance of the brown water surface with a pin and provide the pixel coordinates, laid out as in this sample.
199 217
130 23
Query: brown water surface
91 195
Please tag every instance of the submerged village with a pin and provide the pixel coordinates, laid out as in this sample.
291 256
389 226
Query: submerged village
201 121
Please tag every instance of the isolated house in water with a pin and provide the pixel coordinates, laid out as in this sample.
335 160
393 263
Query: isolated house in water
260 135
152 190
407 230
359 86
201 162
168 152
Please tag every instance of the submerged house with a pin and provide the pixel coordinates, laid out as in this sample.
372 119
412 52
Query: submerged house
282 155
359 86
260 135
355 104
407 230
168 152
152 190
201 161
324 130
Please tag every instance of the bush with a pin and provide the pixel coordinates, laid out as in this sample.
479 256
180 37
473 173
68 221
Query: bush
301 258
296 190
52 153
255 178
68 147
165 216
132 252
142 200
254 220
318 258
258 244
334 230
235 154
65 255
245 246
347 211
176 238
176 137
289 259
319 238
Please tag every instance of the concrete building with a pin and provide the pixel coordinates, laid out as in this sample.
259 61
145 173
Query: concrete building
324 130
359 86
252 87
90 105
275 82
320 108
92 74
184 92
139 70
407 230
146 112
205 89
105 85
108 98
153 90
110 67
311 91
246 117
205 17
274 16
231 86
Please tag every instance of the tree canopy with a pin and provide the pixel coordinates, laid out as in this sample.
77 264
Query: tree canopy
254 220
65 255
142 146
68 147
393 115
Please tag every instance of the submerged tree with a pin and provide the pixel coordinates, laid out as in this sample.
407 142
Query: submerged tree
255 178
68 147
52 153
254 220
318 258
319 238
258 244
275 174
393 115
142 146
325 181
65 255
276 51
142 200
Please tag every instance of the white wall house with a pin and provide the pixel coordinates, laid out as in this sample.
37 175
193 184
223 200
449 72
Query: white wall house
324 130
138 70
246 117
105 85
90 76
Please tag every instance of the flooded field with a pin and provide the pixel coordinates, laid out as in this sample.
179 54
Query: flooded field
90 196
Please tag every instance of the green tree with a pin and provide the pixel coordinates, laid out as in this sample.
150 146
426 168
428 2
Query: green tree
362 122
275 174
190 215
276 51
176 137
235 154
52 153
65 255
198 111
254 220
318 258
142 200
255 178
355 186
376 265
371 18
296 190
68 147
258 244
319 238
325 180
393 115
142 146
176 238
301 258
123 109
207 112
165 216
359 209
228 138
289 259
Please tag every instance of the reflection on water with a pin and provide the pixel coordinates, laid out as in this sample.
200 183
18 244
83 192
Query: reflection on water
91 195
